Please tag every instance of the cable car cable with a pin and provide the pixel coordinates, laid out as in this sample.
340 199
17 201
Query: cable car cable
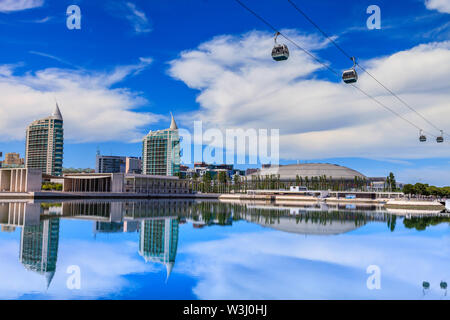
361 67
328 67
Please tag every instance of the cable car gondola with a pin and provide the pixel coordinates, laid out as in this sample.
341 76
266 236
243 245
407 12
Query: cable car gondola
422 137
280 52
350 75
440 139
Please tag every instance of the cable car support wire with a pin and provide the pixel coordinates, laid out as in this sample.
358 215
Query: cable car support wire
362 68
330 68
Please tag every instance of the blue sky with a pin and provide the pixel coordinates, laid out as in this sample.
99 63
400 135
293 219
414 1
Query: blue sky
133 62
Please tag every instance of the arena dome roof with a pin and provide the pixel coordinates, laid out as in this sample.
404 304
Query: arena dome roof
290 172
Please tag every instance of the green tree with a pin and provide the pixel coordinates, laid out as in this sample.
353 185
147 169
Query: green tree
222 177
391 183
207 178
408 189
421 189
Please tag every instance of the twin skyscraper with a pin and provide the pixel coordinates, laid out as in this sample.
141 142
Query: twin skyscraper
45 147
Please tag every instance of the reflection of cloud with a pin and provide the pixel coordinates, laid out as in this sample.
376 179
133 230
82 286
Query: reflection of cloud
273 265
103 267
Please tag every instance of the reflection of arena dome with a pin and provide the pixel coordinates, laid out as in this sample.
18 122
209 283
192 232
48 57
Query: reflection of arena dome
303 170
310 228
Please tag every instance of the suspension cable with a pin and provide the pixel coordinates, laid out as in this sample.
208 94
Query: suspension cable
360 66
328 67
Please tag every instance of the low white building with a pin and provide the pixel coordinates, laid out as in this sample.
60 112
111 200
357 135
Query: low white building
20 180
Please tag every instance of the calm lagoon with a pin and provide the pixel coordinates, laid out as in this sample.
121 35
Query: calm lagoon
183 249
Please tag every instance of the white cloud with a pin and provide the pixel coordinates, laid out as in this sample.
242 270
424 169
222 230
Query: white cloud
241 87
93 106
18 5
439 5
137 18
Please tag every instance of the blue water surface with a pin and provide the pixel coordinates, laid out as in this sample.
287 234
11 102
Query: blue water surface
161 249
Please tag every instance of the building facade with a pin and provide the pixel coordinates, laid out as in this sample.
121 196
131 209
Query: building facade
45 144
18 180
110 164
139 183
13 160
161 152
118 164
125 183
133 165
201 168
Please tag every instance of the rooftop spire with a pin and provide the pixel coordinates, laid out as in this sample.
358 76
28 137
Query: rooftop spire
56 113
173 124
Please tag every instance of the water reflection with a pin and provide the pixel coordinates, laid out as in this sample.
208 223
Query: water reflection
39 248
157 225
158 239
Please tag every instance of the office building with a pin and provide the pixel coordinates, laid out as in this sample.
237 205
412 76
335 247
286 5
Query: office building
161 151
133 165
13 160
45 143
110 164
117 164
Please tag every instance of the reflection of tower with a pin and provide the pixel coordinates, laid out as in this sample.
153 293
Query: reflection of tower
39 248
158 239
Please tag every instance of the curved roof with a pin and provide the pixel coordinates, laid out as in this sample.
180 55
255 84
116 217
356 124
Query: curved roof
290 172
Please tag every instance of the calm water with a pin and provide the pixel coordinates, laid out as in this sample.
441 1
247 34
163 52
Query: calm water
210 250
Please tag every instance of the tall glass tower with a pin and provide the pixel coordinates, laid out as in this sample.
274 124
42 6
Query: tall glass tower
161 151
45 144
